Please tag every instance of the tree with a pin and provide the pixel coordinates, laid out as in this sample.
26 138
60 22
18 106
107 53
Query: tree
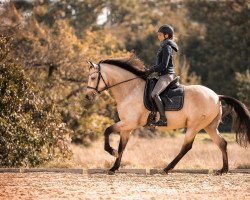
55 61
243 86
219 45
31 131
80 14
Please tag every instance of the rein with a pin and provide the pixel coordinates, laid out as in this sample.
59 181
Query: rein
106 85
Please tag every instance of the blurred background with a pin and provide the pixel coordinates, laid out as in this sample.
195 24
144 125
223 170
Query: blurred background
44 46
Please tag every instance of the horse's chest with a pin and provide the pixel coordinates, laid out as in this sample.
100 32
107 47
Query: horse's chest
130 106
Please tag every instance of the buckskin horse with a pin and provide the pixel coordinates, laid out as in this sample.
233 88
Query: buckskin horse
202 109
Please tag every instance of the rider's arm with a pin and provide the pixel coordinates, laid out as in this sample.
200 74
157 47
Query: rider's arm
165 59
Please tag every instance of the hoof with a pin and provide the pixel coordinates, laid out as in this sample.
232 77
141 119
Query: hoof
115 153
111 172
220 172
163 172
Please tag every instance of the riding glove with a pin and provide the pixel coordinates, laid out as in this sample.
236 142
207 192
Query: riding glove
149 71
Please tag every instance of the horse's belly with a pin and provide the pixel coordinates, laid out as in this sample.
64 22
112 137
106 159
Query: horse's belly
176 120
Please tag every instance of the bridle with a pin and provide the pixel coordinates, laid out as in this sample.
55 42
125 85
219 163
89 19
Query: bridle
106 85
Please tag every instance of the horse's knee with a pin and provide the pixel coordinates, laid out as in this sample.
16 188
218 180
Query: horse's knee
108 131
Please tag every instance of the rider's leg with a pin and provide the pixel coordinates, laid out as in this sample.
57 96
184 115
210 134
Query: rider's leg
160 86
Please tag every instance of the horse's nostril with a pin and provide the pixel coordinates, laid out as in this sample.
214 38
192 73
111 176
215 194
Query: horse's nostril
87 97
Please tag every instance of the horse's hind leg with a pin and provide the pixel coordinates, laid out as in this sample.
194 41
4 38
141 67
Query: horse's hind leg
124 137
212 130
187 145
222 144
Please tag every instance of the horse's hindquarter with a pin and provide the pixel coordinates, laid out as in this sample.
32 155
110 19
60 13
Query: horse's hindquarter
201 106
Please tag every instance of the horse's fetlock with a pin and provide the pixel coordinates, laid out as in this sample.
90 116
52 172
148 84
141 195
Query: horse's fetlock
115 153
108 149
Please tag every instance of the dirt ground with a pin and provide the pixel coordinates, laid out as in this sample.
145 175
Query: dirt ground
123 186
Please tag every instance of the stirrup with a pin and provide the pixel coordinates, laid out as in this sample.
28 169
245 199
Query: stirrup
161 122
151 119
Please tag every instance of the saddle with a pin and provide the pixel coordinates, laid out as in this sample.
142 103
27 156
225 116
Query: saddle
172 97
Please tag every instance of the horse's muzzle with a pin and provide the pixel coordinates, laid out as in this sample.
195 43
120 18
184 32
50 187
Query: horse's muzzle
90 96
87 97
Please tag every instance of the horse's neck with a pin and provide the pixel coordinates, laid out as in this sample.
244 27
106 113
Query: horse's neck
123 91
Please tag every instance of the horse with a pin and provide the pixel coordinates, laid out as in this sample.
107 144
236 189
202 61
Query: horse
202 109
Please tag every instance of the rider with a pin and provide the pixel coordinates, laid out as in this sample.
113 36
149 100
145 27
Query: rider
164 67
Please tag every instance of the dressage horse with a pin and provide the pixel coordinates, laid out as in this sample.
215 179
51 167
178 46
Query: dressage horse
202 109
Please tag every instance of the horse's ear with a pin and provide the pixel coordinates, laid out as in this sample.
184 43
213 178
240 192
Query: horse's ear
91 64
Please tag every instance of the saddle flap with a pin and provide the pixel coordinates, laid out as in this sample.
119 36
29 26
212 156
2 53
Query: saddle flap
172 97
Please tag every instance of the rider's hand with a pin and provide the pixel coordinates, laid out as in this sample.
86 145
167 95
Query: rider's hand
149 71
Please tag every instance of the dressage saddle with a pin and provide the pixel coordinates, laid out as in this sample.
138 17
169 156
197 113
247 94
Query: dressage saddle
172 97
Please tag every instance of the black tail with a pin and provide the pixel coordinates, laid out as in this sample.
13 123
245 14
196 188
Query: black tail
241 121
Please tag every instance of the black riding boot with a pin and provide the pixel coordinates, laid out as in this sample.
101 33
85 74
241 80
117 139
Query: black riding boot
163 120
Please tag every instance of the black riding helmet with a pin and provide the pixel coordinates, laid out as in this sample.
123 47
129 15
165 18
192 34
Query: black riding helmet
166 29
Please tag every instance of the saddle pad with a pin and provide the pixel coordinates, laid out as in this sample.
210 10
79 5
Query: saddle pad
172 97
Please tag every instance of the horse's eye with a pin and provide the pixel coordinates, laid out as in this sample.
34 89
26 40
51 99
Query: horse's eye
92 78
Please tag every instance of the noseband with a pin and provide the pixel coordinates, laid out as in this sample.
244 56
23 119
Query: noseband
106 85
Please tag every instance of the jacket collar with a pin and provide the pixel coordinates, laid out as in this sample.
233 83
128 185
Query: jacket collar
170 43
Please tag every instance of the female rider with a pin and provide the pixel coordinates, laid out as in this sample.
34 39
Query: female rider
164 67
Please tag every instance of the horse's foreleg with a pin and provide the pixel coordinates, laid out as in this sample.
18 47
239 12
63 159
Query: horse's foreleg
118 127
124 137
107 146
187 145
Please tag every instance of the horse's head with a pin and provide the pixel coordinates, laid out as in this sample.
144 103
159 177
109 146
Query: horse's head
96 82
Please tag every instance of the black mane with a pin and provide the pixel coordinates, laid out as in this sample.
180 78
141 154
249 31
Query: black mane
125 64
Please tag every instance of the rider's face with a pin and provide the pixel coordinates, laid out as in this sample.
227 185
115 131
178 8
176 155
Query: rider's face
161 36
